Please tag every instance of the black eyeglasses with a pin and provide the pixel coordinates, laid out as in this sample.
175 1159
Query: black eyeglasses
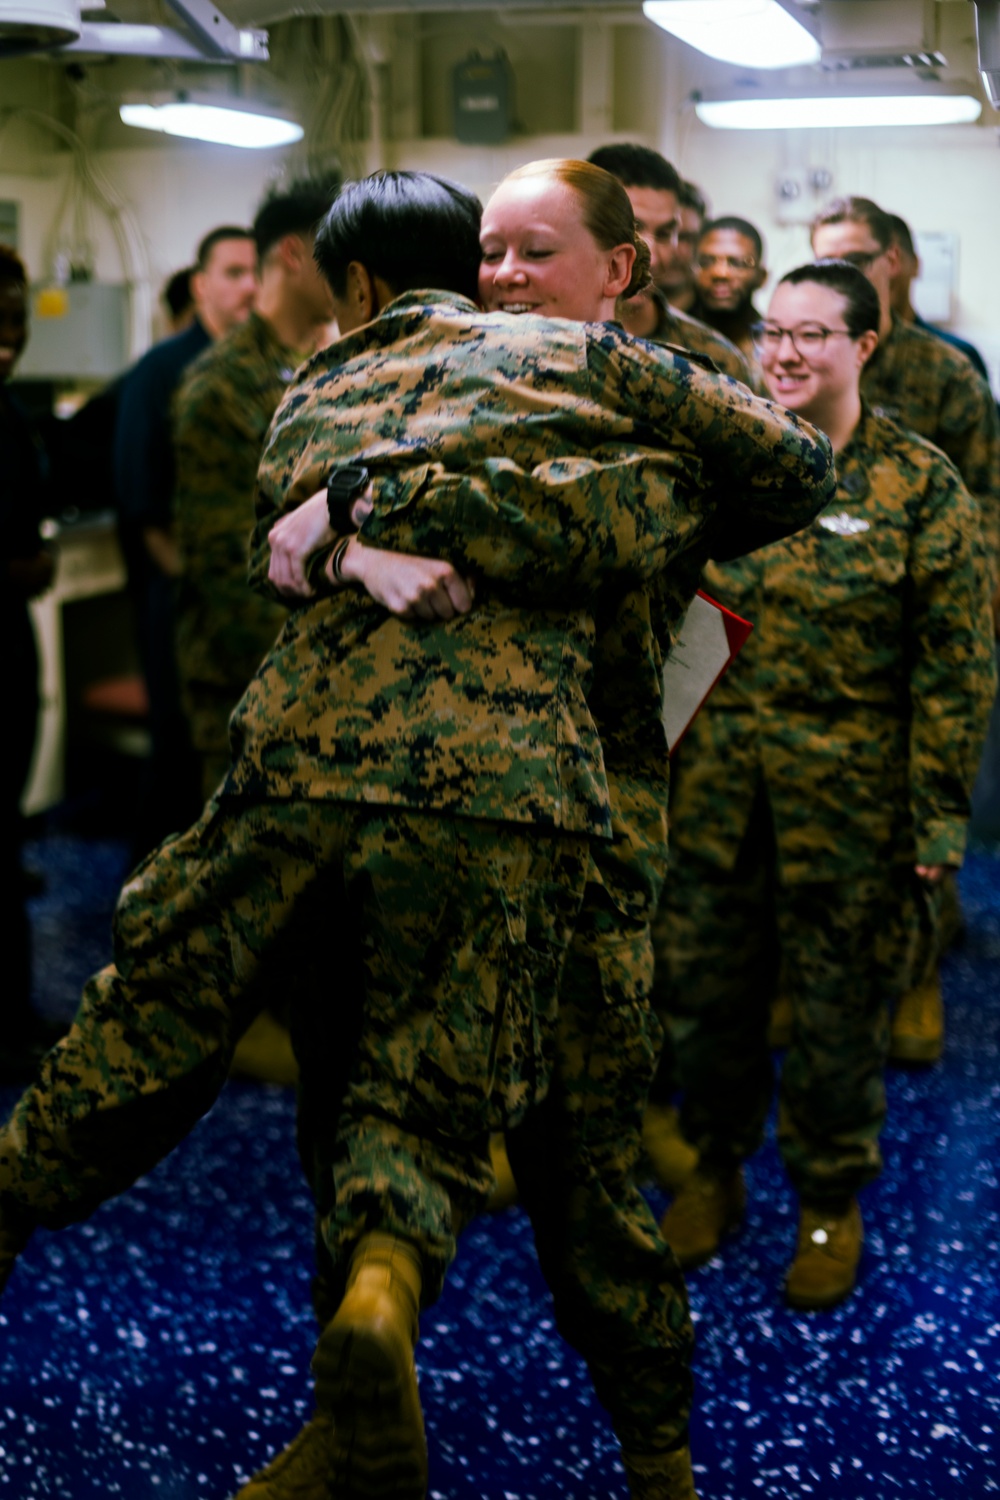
807 338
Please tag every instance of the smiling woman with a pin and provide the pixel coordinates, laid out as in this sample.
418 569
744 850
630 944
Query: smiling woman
559 239
813 365
820 796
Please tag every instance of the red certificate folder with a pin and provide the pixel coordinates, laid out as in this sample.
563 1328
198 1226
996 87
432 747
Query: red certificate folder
710 637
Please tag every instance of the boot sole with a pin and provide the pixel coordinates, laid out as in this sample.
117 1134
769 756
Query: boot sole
366 1382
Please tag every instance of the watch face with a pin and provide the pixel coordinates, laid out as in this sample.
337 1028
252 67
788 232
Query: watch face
348 479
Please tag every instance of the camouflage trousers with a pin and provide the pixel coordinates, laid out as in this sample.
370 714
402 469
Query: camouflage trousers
618 1294
842 949
432 947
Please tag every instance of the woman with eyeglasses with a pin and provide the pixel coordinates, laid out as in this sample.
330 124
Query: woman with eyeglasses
820 795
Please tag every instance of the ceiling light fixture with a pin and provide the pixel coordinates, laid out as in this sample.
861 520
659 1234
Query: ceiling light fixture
231 123
751 33
843 111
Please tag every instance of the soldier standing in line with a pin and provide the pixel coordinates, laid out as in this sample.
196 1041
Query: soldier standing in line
823 784
654 189
728 270
223 286
420 804
925 385
221 414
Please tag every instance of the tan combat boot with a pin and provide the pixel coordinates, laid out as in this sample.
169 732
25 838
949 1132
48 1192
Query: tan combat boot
302 1471
671 1157
366 1380
709 1206
918 1025
660 1476
825 1267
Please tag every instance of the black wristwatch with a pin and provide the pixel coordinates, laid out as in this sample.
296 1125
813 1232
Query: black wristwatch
343 486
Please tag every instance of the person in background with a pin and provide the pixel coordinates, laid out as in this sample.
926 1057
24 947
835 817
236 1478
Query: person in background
178 299
28 568
823 787
222 411
221 414
922 383
901 281
728 269
680 288
654 190
223 287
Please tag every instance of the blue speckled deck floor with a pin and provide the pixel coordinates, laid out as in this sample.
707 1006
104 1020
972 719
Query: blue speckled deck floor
161 1349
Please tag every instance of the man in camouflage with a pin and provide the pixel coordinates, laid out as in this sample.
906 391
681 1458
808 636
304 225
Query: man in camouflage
927 386
654 189
832 762
379 770
221 414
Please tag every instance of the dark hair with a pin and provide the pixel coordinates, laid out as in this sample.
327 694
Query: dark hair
177 292
12 267
902 234
410 228
604 207
857 211
637 166
297 210
691 196
740 226
863 311
215 237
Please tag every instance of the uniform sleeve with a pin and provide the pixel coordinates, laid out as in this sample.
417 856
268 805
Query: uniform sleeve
554 533
969 432
953 672
218 431
771 473
565 527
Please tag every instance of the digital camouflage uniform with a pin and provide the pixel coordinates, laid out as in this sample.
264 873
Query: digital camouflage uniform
372 732
923 384
221 415
679 328
836 754
618 1299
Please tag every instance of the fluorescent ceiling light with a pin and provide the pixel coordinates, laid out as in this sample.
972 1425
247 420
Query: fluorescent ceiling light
250 126
846 110
751 33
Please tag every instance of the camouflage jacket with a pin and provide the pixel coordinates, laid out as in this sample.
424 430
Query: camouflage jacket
603 459
676 327
862 696
222 411
920 382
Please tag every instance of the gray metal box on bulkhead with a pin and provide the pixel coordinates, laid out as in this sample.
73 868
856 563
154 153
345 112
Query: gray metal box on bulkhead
483 91
87 340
